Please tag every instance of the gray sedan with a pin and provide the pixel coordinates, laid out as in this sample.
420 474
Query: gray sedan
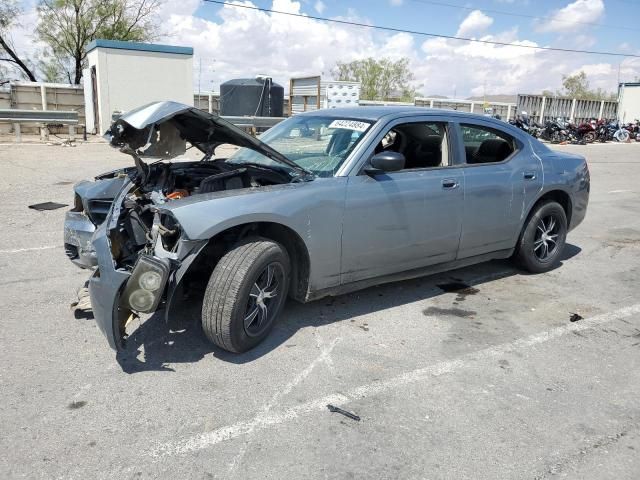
324 203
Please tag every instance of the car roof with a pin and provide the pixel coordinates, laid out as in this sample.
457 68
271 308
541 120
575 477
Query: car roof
375 113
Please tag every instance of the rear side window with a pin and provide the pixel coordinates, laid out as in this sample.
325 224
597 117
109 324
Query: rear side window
486 145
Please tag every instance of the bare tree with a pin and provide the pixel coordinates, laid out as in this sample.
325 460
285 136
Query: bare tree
9 11
67 27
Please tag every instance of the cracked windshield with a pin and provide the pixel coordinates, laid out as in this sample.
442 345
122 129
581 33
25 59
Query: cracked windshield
317 144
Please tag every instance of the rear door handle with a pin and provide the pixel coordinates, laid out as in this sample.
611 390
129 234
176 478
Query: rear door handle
449 183
529 175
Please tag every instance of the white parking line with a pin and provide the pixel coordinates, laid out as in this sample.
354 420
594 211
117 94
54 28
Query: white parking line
32 249
262 420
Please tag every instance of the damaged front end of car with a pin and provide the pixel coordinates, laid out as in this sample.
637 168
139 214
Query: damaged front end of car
141 252
141 257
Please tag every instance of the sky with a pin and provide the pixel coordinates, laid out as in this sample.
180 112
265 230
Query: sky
231 42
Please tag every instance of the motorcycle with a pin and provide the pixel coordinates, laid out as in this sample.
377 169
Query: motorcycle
522 124
603 132
634 130
555 131
586 132
620 134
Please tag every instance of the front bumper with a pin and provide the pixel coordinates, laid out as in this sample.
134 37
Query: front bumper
78 232
105 286
108 283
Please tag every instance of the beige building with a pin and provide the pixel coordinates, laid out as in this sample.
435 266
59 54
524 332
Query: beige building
125 75
629 101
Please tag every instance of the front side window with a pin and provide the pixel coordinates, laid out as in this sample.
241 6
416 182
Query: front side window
423 144
317 143
486 145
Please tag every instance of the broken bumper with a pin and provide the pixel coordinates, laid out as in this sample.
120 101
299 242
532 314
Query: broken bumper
114 292
105 286
78 232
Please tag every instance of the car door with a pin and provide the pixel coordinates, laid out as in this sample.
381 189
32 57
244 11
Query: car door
406 219
500 173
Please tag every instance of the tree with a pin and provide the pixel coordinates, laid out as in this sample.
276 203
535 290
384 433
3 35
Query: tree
383 79
67 27
9 11
577 86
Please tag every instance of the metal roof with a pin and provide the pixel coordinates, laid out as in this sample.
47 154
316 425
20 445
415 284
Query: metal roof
141 47
375 113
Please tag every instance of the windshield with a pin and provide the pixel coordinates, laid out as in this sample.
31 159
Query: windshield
317 144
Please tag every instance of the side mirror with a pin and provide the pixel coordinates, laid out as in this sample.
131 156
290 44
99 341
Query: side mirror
386 162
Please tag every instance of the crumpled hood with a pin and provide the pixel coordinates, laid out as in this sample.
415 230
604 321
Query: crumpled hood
160 130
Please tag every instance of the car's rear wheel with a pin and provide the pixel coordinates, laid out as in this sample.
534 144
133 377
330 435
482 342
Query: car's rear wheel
245 294
543 239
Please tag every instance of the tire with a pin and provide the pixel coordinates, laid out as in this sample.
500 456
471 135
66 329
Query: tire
237 311
589 137
531 254
622 136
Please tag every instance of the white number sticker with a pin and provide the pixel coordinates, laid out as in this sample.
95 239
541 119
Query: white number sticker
350 125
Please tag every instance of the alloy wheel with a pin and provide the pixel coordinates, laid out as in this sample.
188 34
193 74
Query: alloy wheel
545 242
264 297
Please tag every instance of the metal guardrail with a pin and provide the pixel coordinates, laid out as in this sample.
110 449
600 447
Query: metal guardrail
39 116
43 117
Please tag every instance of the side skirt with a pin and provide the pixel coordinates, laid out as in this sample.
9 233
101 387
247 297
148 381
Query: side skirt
407 275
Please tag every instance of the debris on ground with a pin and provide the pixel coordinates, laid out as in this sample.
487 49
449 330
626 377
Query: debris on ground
352 416
47 206
575 317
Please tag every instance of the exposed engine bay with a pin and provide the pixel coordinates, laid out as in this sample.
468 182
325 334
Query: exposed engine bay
161 131
153 185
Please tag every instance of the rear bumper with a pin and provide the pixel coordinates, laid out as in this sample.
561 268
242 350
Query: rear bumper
78 232
580 199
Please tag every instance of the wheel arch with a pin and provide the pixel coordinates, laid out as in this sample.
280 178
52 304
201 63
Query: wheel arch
556 195
222 241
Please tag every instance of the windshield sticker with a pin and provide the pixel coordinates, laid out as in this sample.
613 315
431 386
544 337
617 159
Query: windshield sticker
350 125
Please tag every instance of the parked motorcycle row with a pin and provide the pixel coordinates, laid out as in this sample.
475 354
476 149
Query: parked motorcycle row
561 131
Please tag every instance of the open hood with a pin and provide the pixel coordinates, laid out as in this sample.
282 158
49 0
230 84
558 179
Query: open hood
161 130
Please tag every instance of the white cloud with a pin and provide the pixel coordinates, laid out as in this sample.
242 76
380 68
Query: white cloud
319 6
243 43
396 3
475 22
572 17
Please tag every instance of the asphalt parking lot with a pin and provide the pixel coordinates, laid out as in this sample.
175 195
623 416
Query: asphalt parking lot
492 383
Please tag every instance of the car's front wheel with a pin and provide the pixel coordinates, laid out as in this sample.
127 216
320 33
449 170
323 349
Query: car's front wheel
542 241
245 294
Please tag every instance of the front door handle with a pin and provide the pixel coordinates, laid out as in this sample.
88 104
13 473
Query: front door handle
449 183
529 175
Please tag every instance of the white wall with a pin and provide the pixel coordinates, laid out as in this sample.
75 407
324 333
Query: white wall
131 78
629 103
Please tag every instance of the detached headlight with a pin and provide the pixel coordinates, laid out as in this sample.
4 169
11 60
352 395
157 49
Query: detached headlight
146 284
